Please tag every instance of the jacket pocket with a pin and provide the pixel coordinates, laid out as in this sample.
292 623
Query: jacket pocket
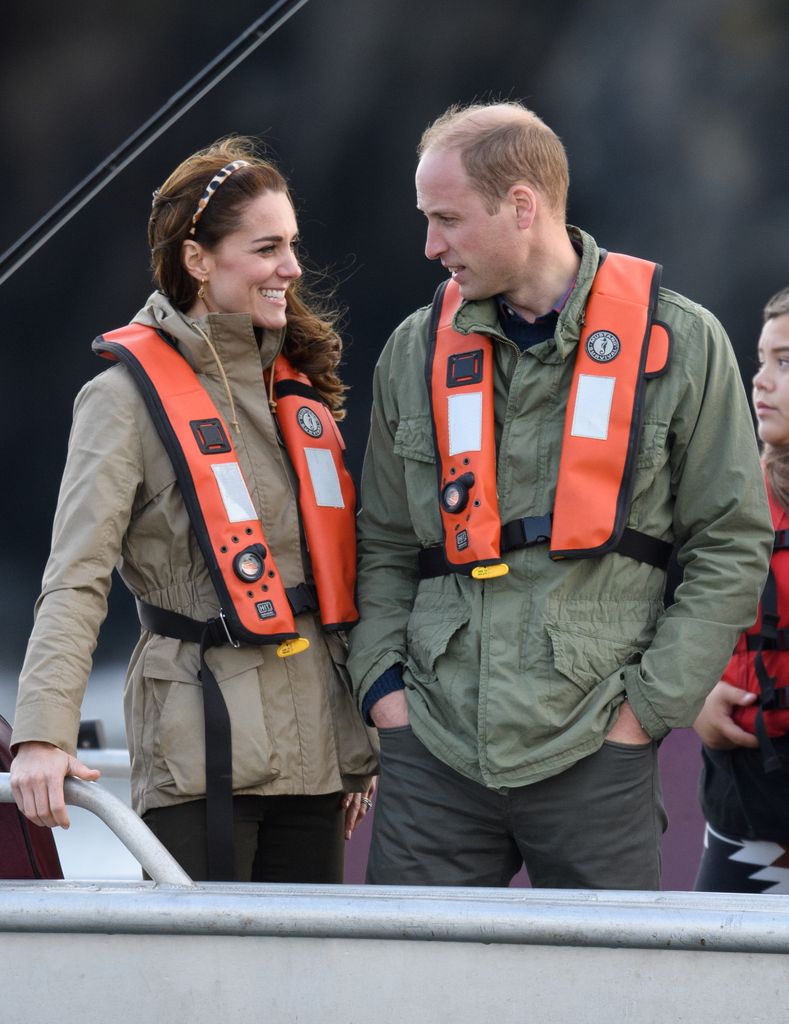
414 439
591 639
357 746
179 739
413 444
438 616
652 450
337 646
651 466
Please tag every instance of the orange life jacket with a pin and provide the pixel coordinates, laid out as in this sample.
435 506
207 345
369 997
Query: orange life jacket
327 496
243 568
621 347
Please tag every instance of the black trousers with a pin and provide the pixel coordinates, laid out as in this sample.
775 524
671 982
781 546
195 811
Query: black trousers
276 838
734 864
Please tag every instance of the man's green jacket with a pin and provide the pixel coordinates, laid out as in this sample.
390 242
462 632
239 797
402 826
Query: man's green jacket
514 679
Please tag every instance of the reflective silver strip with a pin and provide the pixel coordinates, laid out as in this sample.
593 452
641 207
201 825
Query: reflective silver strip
592 410
235 495
464 413
325 481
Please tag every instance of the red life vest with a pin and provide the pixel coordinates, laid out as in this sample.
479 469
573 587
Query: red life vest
760 663
243 568
621 347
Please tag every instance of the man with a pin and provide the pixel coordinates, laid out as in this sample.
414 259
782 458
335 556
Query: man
514 651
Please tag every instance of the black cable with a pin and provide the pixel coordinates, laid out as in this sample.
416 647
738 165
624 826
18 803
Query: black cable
194 90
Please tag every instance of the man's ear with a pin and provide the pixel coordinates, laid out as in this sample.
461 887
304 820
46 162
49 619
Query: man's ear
524 199
193 258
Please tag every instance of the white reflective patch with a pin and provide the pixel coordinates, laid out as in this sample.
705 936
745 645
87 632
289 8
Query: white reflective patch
325 481
593 406
235 495
465 422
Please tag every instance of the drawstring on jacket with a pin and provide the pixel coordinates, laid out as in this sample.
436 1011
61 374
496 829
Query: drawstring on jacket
223 375
272 402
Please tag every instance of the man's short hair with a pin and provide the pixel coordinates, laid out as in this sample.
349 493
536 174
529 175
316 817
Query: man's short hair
501 144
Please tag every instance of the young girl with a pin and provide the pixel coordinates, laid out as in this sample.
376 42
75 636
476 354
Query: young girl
744 724
206 465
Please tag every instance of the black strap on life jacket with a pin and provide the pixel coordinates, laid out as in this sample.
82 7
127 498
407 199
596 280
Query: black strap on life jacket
218 746
768 697
769 638
781 541
780 642
530 530
218 741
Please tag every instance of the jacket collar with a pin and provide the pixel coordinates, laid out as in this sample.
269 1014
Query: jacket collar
482 316
231 334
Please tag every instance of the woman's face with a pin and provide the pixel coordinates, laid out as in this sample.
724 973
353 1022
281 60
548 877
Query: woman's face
771 383
252 268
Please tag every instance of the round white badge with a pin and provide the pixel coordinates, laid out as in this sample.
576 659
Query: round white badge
602 346
309 422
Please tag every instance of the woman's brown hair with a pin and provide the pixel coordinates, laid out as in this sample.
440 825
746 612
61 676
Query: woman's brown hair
312 342
776 457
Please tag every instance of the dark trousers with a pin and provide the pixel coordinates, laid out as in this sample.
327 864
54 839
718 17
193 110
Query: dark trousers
597 825
730 864
276 838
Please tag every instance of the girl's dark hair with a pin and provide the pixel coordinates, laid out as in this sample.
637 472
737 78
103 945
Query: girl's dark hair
312 342
776 457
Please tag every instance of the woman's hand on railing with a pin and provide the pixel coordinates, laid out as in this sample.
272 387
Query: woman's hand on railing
37 774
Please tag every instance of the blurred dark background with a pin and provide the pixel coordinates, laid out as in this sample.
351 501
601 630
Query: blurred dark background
674 118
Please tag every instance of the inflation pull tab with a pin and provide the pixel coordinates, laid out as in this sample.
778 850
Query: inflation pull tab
487 572
295 646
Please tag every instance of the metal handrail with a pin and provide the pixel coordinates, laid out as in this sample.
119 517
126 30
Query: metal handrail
708 923
135 835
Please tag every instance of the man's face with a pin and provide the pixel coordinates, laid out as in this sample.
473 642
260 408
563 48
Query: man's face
478 248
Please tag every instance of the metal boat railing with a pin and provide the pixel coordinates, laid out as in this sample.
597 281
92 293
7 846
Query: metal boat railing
155 860
169 949
644 920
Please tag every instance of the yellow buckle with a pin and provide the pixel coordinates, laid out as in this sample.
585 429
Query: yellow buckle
487 572
290 647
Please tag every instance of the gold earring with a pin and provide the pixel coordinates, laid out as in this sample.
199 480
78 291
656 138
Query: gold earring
201 290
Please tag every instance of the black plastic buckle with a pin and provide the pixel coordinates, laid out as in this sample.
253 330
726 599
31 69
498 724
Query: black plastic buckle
778 702
769 627
781 540
302 598
525 532
536 530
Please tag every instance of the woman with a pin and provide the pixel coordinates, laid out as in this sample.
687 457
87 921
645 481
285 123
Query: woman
204 465
744 723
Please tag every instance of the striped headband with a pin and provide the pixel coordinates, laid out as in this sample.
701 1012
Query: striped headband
213 185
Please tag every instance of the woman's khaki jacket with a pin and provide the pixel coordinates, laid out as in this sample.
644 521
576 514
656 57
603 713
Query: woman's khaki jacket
295 727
